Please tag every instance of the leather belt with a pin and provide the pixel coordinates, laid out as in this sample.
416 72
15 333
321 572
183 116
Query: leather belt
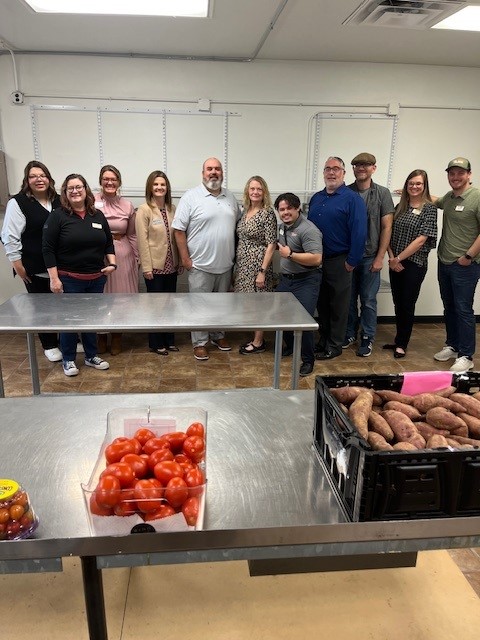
298 276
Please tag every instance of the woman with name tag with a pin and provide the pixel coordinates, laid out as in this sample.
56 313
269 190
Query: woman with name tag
120 214
414 234
157 249
77 243
22 229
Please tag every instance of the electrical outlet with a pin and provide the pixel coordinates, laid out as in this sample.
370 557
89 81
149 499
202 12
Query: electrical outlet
17 97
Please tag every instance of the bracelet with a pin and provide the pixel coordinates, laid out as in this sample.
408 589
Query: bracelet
468 257
289 257
115 266
261 270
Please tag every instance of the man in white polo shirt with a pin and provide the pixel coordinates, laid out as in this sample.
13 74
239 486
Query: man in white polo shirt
204 224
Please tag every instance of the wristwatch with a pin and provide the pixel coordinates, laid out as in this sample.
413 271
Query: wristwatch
261 270
468 257
290 256
112 265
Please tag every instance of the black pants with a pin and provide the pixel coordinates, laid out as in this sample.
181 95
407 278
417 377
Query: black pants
334 303
161 284
42 285
405 290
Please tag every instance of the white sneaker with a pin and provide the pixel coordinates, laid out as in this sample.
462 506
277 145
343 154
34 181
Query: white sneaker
447 353
70 368
54 355
461 365
97 363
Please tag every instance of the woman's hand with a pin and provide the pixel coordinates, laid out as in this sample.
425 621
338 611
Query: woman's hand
109 269
260 281
395 265
56 285
148 275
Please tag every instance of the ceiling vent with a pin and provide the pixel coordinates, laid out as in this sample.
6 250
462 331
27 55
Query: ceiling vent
404 14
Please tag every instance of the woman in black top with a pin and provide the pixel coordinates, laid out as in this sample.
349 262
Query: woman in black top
77 244
25 216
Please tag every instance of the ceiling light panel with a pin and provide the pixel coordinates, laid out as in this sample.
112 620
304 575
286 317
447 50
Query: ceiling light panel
172 8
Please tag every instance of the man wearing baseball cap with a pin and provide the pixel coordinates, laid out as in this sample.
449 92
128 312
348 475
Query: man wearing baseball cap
459 264
366 275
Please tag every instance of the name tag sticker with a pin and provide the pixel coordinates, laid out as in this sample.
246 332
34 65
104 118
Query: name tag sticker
99 204
96 225
282 232
157 221
416 211
459 207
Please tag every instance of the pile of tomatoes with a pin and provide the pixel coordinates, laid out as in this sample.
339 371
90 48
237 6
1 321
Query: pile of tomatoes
153 476
17 519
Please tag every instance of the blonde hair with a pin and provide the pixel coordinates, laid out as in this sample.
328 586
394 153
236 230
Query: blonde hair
267 201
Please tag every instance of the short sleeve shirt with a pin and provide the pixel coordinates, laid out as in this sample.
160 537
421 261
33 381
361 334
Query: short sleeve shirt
411 224
461 224
302 237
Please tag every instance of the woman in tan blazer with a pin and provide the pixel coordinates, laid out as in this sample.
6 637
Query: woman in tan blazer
157 249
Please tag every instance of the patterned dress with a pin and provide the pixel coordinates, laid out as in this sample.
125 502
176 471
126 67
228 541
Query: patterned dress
254 235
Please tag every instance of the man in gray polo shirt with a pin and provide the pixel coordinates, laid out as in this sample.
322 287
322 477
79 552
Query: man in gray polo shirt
366 275
300 249
204 224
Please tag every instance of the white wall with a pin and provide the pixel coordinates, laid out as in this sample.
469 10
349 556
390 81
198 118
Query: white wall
438 118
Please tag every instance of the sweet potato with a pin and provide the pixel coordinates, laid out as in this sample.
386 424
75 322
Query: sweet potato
346 395
403 428
378 442
461 440
436 442
407 409
446 393
471 404
404 446
443 419
472 423
476 395
388 395
425 401
461 431
426 430
359 412
379 425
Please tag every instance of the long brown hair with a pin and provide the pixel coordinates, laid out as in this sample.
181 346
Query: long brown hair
89 197
149 188
25 188
404 203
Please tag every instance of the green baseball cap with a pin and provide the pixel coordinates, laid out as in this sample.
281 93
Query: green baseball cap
461 163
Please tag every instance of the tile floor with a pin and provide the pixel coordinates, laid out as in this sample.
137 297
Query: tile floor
438 600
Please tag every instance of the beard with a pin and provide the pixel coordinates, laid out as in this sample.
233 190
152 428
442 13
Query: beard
213 184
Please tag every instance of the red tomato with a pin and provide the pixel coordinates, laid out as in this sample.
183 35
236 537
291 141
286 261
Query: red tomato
108 491
194 448
126 505
196 429
115 451
121 470
139 465
184 462
143 434
137 445
21 498
16 511
156 483
194 480
159 455
96 509
155 443
148 497
176 440
176 492
190 510
166 470
163 512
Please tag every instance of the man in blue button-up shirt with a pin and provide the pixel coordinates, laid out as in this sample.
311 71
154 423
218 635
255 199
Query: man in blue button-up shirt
341 216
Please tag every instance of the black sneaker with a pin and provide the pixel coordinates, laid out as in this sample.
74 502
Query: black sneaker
348 341
365 348
306 369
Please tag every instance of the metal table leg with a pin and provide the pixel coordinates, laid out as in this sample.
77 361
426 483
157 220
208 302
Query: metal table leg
297 345
94 599
277 359
32 355
2 388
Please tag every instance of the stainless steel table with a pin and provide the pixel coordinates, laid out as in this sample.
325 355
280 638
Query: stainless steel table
158 312
267 495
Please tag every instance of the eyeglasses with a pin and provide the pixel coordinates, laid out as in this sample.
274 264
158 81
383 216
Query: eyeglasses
73 189
107 180
414 184
40 176
362 165
334 169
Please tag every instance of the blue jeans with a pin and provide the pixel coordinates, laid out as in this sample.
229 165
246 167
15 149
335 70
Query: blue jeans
68 341
306 291
365 285
457 288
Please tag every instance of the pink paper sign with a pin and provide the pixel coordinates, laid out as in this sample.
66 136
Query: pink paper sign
426 381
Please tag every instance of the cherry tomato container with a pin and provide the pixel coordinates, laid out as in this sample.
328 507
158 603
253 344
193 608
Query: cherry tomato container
157 457
17 518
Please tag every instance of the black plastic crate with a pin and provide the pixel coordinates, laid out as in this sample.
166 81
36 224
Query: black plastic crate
392 485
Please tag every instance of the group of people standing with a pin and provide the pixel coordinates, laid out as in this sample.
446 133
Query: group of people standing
330 260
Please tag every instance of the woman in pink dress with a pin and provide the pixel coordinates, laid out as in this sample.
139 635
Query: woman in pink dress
120 215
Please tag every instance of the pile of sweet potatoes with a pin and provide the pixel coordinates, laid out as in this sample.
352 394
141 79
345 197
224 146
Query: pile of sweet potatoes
391 421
